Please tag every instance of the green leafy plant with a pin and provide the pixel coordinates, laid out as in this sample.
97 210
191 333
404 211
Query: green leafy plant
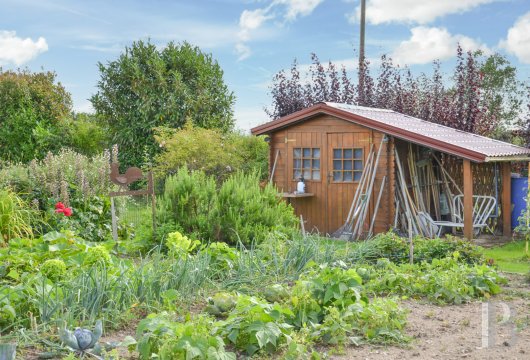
254 325
15 216
180 245
53 269
166 338
324 287
97 255
216 153
442 281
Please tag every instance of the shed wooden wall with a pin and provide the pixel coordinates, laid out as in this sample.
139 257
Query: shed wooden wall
328 209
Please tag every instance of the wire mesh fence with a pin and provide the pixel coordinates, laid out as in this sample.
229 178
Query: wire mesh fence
132 212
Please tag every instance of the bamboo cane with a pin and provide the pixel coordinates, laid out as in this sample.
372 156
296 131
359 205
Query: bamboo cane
376 208
409 203
362 217
274 166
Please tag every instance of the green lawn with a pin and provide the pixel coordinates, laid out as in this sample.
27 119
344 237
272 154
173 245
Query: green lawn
510 257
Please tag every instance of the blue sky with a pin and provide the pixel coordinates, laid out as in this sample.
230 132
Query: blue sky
253 39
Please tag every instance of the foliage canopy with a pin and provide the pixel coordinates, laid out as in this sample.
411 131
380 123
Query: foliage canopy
34 107
148 87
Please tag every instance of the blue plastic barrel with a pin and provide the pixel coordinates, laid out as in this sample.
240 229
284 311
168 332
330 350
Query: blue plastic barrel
518 197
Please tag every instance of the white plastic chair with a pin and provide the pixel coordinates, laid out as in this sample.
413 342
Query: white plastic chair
483 208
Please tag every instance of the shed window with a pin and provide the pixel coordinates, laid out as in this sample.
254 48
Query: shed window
306 163
347 165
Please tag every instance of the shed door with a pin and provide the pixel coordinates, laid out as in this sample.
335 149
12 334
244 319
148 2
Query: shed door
346 155
305 158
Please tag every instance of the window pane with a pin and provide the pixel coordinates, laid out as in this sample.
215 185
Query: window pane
307 152
307 163
316 153
297 174
358 153
316 175
357 175
348 176
337 164
337 153
348 165
307 174
316 164
297 163
297 153
337 176
357 164
348 153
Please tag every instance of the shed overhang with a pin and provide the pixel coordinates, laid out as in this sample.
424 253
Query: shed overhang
401 132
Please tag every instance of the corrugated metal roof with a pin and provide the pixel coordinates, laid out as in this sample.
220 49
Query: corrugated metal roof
484 145
460 143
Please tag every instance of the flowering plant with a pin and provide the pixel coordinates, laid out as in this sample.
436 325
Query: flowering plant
60 208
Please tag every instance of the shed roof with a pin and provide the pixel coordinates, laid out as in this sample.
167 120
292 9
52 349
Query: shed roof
443 138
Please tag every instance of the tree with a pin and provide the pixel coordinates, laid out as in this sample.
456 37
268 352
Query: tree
484 98
85 134
147 87
211 151
32 113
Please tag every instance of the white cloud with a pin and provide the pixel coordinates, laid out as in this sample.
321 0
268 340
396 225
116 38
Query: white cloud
84 106
252 20
413 11
298 7
249 117
518 40
243 51
16 50
431 43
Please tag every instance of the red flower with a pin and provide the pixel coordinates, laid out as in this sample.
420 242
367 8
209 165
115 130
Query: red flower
61 209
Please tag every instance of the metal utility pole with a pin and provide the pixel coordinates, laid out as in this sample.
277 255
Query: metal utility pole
363 21
361 98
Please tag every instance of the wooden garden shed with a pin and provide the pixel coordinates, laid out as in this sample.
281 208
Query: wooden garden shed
328 144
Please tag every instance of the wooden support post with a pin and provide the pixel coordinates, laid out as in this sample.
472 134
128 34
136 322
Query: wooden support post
468 200
114 220
506 206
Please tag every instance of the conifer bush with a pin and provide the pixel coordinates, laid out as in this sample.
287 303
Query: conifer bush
239 210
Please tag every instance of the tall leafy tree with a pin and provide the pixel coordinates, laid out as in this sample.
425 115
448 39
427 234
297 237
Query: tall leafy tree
148 87
33 107
482 96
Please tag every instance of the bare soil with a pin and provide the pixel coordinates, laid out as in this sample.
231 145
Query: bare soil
455 332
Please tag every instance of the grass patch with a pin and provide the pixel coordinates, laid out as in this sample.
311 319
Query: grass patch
510 257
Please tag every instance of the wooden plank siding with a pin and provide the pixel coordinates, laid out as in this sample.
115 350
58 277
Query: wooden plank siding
328 208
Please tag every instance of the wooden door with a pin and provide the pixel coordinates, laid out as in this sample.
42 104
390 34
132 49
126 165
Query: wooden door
305 154
346 156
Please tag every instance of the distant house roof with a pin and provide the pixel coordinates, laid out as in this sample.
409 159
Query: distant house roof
452 141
